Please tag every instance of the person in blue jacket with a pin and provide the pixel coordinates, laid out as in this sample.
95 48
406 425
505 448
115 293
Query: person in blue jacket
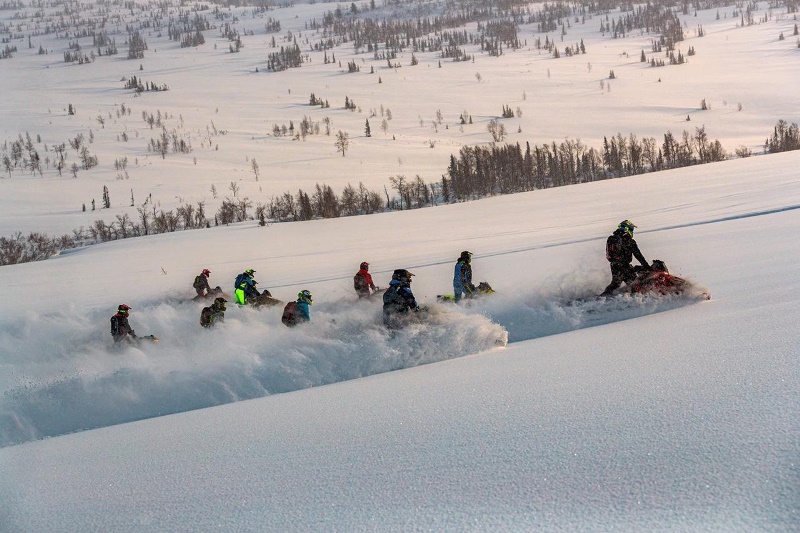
298 311
398 300
245 287
462 277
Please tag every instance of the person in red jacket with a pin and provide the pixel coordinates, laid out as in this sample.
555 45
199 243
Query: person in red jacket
362 281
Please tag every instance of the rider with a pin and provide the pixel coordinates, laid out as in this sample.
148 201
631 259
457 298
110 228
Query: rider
121 330
398 299
245 287
362 281
462 276
213 314
620 250
201 284
298 312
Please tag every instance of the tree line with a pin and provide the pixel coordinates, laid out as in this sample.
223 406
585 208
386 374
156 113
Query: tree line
480 171
476 172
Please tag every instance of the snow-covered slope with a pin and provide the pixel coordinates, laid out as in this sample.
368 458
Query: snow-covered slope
637 414
666 416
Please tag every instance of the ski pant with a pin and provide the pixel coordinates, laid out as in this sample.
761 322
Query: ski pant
620 272
460 291
240 299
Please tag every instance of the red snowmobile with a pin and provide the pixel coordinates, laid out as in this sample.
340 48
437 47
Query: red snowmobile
658 280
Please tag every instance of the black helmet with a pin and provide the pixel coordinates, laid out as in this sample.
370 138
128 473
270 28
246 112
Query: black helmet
364 266
403 275
465 256
219 303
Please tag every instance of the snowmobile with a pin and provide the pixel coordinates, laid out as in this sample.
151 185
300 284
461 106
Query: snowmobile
482 289
135 341
216 292
658 281
376 294
399 320
263 299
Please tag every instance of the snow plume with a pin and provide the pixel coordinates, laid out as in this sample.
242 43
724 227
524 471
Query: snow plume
65 375
569 302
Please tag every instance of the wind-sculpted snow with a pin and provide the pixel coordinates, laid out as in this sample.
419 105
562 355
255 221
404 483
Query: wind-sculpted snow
65 375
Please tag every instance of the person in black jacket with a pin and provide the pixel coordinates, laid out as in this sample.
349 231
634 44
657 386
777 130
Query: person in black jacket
213 314
621 248
121 330
202 286
398 300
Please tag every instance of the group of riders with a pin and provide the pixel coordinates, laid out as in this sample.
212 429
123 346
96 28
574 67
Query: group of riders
398 299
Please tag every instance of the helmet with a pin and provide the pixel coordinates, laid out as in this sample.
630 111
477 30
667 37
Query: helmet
627 226
364 266
206 272
304 296
659 266
123 309
250 272
220 302
466 256
403 275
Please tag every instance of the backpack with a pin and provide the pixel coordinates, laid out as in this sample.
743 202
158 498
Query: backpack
614 249
289 316
114 325
198 282
360 283
205 317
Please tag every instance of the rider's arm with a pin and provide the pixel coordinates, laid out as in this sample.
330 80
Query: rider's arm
638 254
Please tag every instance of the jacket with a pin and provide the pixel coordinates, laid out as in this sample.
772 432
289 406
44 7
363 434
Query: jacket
398 298
201 284
462 276
245 283
362 282
628 249
122 328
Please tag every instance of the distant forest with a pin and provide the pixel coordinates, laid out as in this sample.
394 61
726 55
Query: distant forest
477 172
374 27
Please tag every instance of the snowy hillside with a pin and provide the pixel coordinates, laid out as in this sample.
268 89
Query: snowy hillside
537 408
225 106
643 414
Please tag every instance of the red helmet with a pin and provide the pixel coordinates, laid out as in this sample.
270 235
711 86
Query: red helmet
364 266
206 272
123 309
